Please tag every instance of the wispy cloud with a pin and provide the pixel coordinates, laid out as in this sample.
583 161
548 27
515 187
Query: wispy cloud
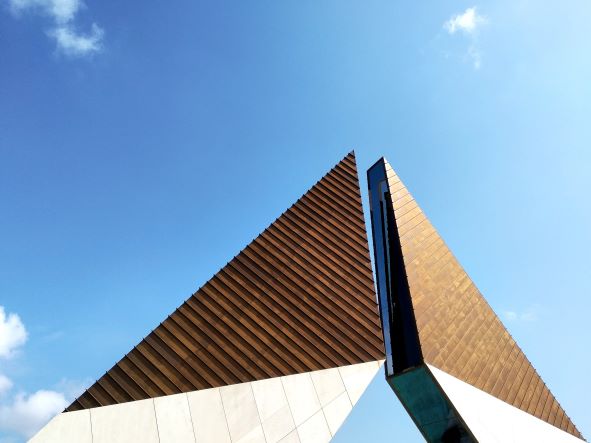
468 23
527 315
27 413
12 333
69 40
5 385
20 412
75 44
62 11
52 336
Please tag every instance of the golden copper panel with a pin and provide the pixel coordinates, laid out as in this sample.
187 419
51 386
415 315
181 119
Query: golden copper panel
458 331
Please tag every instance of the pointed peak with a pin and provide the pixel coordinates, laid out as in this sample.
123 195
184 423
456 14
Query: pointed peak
380 162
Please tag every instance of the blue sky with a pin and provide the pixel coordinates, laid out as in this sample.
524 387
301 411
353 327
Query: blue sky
142 147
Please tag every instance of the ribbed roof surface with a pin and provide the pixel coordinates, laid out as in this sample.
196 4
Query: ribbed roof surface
299 298
458 331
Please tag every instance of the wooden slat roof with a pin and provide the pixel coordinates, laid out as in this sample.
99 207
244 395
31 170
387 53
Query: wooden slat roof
299 298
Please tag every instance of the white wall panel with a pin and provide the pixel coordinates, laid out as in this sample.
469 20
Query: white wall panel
329 385
273 409
292 437
315 430
73 427
337 411
265 411
209 419
126 422
357 377
242 414
174 419
492 420
301 396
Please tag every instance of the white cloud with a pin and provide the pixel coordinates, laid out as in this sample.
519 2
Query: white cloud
511 315
64 10
71 43
5 384
24 413
63 13
467 22
528 315
12 333
28 413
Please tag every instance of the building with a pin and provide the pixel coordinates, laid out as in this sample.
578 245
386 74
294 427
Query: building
280 344
449 359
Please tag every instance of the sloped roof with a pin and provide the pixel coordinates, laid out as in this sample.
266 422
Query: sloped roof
299 298
458 331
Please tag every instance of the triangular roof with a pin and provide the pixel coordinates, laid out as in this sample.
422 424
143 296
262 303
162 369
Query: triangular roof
299 298
457 330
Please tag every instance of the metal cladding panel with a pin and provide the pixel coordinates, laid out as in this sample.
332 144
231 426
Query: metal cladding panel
458 331
299 298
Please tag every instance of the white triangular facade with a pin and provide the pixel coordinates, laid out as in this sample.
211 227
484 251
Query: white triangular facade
491 420
301 408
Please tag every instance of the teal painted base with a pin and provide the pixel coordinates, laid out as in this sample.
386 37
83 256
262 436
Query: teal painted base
428 406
